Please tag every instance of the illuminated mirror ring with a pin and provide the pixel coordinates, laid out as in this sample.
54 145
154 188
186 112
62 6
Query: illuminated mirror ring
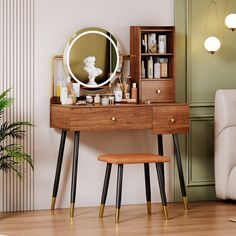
67 58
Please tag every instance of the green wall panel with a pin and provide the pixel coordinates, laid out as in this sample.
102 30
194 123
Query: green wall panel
199 75
201 156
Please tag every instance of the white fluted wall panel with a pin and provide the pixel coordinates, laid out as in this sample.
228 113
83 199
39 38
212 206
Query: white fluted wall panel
17 72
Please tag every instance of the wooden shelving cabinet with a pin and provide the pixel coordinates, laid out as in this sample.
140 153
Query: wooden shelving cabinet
155 89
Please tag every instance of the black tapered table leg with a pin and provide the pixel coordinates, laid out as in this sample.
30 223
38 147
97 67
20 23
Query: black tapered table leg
105 188
58 168
162 189
161 152
180 169
74 172
148 187
119 191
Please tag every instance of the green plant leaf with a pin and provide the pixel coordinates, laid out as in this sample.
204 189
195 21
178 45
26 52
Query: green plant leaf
5 102
13 130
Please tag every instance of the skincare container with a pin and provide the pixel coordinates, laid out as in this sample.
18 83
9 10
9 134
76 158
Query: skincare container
152 43
164 67
134 92
150 68
68 84
76 87
118 93
97 99
64 95
105 101
143 70
157 69
162 43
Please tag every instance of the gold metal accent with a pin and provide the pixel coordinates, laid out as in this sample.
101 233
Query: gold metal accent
113 118
158 91
165 212
101 211
172 120
117 215
232 220
53 201
54 58
72 209
149 205
185 203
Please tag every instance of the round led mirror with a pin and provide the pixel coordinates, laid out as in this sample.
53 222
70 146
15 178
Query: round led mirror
92 57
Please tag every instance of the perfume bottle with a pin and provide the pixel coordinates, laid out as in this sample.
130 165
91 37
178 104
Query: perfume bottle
118 93
150 68
143 70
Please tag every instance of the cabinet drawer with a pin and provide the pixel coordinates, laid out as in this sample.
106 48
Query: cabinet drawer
107 118
171 119
158 91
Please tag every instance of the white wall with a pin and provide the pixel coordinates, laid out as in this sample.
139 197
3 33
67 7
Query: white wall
55 21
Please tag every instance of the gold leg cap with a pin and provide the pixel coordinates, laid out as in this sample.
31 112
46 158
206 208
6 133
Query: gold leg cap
53 202
101 211
232 220
185 203
149 205
165 212
117 215
72 210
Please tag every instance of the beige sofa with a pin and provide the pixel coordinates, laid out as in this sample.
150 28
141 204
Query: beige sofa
225 144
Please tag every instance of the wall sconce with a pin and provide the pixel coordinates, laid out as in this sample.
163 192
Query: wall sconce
230 19
212 43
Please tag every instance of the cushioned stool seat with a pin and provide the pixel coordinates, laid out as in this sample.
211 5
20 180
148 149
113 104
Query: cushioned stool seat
133 158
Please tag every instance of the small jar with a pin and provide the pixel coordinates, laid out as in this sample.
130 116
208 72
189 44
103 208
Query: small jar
105 101
97 99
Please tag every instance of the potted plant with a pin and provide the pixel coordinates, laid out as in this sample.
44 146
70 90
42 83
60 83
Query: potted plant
12 154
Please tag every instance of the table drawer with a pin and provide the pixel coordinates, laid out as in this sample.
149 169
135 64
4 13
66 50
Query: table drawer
171 119
158 91
107 118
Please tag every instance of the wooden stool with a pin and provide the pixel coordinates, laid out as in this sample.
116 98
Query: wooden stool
133 158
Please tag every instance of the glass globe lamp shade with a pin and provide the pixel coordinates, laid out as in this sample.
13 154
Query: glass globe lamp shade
230 21
212 44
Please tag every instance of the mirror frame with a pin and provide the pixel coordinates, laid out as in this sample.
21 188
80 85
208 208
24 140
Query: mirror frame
74 38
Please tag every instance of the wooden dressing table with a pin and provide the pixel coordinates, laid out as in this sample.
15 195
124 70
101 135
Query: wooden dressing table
161 118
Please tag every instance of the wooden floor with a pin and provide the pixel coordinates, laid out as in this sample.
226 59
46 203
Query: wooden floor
203 218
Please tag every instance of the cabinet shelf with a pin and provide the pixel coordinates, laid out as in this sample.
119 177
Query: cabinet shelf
157 79
157 54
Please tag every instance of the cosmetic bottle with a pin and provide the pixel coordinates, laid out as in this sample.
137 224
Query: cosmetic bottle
118 93
150 68
143 70
64 95
97 99
164 67
162 43
68 85
134 92
157 69
145 43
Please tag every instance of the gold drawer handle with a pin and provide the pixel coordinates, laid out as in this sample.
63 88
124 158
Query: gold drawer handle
113 118
158 91
172 120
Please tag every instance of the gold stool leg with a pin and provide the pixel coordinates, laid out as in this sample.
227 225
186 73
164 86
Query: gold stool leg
165 212
149 207
101 211
72 210
53 202
117 215
185 203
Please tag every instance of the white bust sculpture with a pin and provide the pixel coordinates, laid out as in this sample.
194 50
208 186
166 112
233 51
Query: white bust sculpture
92 71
